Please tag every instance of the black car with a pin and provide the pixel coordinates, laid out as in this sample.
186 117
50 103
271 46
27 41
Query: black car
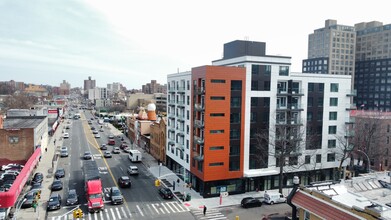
8 176
60 173
36 186
38 178
165 193
56 185
73 198
124 182
54 202
116 196
30 196
103 147
248 202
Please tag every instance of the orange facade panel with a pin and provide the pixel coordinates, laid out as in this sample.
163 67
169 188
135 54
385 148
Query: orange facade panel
217 100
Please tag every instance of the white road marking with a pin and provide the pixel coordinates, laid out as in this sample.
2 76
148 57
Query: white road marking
165 207
156 209
130 214
107 214
101 214
119 215
170 208
173 204
142 214
150 209
123 212
112 213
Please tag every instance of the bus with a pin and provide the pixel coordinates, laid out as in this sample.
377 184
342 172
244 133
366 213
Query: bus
135 156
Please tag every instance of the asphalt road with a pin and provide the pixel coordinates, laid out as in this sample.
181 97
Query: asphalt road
141 201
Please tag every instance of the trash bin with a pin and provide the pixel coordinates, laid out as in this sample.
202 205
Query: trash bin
188 197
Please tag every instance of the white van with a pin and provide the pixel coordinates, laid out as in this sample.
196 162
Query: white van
135 156
274 197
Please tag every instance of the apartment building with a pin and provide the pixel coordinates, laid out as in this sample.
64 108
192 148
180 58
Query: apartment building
217 113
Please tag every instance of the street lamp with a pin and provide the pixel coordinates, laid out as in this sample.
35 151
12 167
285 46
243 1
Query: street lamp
367 158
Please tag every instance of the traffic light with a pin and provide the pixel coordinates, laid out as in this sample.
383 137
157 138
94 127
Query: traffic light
157 182
78 213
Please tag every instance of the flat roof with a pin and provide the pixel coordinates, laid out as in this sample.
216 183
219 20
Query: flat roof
23 122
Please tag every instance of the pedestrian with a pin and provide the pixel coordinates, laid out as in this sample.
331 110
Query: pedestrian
54 141
40 158
46 149
204 210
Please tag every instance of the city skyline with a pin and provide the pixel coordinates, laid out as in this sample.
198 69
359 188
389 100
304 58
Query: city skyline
134 43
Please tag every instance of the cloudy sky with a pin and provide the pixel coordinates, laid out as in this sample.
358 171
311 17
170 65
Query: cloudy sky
134 42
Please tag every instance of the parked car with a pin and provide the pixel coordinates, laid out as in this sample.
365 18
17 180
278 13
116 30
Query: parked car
103 147
30 196
107 154
111 136
64 152
124 182
274 197
92 128
95 132
57 185
4 213
165 193
249 202
123 146
65 135
54 202
14 172
89 122
60 173
72 198
127 149
97 135
116 150
8 176
116 196
87 155
38 178
132 170
14 166
36 186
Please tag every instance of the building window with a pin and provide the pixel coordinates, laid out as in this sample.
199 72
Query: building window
216 148
13 139
309 116
234 134
188 100
187 158
333 129
188 85
333 101
283 70
187 129
217 98
235 118
217 81
217 114
310 101
187 114
187 144
334 87
331 143
235 101
311 87
253 117
320 101
331 157
318 158
332 116
307 159
217 131
216 164
236 85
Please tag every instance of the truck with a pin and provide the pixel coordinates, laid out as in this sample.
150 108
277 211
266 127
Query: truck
93 186
135 156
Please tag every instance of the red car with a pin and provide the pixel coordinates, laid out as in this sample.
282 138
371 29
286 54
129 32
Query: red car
111 142
123 146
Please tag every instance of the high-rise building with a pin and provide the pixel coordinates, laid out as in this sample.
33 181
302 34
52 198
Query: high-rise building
331 50
89 84
154 87
65 87
373 66
216 114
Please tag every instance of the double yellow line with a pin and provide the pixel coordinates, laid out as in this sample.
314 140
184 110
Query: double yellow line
95 144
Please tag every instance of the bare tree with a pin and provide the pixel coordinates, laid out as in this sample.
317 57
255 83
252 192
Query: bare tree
345 145
285 143
20 101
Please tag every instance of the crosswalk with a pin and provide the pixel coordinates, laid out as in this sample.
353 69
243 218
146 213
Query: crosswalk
211 214
137 212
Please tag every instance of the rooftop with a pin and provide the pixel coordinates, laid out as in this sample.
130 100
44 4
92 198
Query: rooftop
23 122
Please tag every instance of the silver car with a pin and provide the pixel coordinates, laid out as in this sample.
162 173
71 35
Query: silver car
64 152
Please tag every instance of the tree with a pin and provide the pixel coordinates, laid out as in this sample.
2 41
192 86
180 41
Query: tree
19 101
285 143
345 145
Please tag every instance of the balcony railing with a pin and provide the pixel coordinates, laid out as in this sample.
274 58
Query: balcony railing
200 91
198 140
351 106
179 128
290 122
289 107
171 102
350 120
171 89
180 117
199 107
180 102
180 89
198 123
197 156
290 92
351 92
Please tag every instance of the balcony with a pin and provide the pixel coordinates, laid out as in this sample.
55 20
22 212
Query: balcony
351 106
200 91
198 140
290 107
179 128
180 146
180 89
290 92
180 117
350 120
297 122
181 103
199 107
198 123
171 142
171 115
171 102
349 134
197 156
351 92
171 89
171 129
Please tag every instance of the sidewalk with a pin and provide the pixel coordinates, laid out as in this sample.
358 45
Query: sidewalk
47 167
168 178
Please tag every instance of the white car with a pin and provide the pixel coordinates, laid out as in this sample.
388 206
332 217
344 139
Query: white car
97 135
12 166
65 135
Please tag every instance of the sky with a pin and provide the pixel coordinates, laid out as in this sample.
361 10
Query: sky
134 42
